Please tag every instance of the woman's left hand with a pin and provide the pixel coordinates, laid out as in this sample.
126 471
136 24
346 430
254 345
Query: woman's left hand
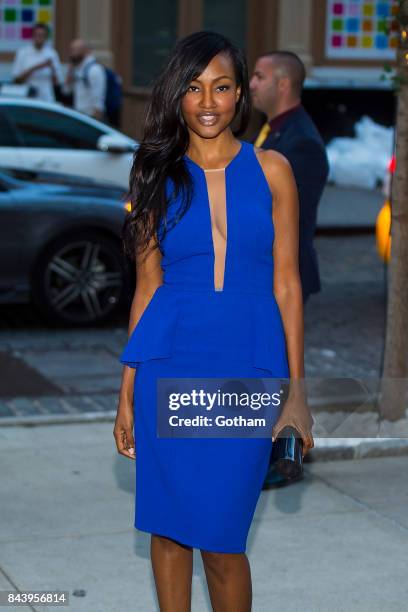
296 413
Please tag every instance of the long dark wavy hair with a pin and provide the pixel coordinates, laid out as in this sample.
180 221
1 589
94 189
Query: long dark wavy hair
165 138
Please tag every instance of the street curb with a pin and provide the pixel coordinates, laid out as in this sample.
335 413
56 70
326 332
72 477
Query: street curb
58 419
393 447
389 447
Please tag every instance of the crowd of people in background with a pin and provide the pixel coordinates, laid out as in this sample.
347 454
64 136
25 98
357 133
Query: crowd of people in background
89 86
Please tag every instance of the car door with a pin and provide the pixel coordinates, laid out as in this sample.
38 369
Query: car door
10 142
13 242
57 141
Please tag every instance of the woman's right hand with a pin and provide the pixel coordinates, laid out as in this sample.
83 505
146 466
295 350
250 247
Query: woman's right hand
123 430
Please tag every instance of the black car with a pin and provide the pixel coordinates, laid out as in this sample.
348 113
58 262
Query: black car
60 246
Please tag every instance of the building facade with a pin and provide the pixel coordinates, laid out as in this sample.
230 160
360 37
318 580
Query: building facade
344 43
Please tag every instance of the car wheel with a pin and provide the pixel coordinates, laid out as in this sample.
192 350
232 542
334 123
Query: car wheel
80 280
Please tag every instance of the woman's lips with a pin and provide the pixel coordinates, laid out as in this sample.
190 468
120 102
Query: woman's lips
208 120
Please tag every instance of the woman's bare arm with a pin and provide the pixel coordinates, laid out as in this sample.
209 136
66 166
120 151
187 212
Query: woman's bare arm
287 284
149 276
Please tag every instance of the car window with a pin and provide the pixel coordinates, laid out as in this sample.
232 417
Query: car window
8 133
39 127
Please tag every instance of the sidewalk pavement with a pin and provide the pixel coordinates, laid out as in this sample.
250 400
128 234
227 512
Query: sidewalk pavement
325 448
335 541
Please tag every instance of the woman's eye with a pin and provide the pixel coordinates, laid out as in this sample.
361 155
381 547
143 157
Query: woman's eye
195 88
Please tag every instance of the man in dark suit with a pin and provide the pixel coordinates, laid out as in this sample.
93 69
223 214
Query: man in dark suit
276 88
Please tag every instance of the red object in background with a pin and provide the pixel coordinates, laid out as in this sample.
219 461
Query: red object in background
392 165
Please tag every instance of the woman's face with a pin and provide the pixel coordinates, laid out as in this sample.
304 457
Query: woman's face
209 104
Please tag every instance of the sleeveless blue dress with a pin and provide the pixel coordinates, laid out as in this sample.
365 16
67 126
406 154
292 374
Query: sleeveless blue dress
215 315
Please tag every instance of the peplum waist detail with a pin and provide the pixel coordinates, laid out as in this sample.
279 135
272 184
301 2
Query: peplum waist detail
245 324
154 334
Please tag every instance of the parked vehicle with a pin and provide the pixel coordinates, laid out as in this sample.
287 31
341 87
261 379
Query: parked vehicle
60 246
36 135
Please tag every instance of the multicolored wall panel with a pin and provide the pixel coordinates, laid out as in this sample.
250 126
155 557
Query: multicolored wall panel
17 18
357 29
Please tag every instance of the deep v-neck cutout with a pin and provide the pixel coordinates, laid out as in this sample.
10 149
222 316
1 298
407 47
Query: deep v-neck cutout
216 183
217 201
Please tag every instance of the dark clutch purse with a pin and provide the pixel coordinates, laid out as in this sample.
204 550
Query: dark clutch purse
287 449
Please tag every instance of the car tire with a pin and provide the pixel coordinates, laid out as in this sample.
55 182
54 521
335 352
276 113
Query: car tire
80 279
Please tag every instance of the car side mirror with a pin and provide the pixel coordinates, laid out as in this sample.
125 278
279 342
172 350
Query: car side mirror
111 143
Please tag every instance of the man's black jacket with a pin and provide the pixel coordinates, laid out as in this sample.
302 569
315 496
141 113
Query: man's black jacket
300 142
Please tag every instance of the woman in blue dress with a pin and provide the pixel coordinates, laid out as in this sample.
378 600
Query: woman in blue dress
214 233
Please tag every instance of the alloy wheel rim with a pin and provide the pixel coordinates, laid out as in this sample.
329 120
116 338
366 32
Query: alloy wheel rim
83 281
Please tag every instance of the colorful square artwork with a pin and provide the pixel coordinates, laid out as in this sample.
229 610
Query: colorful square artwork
26 33
367 42
357 29
10 15
44 15
17 18
27 15
353 25
368 9
10 32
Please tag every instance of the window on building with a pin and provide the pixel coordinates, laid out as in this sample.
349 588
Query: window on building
154 35
228 17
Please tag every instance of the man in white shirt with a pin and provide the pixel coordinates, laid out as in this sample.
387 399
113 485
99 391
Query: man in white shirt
38 65
86 79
